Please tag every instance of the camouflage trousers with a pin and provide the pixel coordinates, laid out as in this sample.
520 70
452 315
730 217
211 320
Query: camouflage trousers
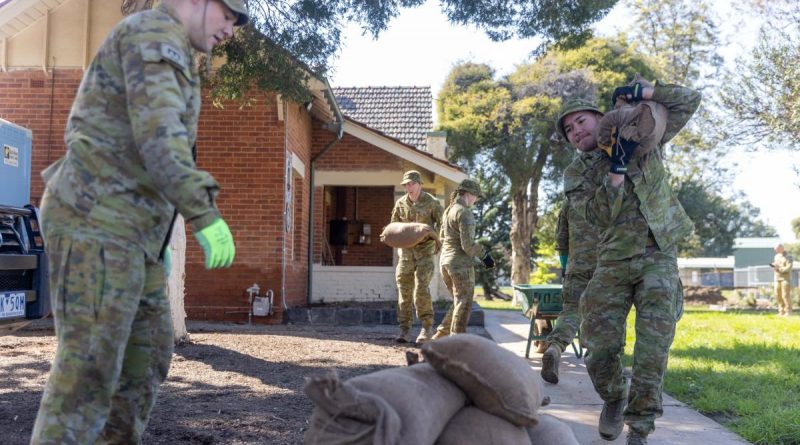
114 331
783 294
460 280
650 283
570 318
414 274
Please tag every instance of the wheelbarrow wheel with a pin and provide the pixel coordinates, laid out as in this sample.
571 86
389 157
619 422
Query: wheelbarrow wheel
542 327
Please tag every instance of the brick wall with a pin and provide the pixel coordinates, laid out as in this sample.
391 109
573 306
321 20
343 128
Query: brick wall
25 99
242 148
374 208
352 154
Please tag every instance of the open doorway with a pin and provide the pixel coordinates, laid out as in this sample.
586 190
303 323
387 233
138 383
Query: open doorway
354 218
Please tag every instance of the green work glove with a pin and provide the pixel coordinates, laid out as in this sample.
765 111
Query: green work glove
217 243
563 259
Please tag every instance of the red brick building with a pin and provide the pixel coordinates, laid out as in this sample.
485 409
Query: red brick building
293 176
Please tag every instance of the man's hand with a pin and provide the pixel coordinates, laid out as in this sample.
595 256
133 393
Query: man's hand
488 261
563 258
629 93
217 243
620 152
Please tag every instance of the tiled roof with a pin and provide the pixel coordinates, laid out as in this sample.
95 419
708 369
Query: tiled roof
400 112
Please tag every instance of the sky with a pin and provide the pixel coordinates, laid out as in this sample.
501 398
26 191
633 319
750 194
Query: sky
420 47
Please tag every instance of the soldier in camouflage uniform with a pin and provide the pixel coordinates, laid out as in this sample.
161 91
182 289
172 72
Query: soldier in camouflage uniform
782 265
640 222
107 213
415 268
456 262
576 242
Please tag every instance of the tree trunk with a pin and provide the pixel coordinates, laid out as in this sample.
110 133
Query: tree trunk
175 281
520 237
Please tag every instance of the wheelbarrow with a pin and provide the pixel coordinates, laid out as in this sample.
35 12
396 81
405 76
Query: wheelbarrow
542 303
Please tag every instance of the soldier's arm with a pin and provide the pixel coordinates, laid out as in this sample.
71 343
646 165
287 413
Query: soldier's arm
155 104
466 228
681 102
437 215
599 204
395 213
562 230
786 266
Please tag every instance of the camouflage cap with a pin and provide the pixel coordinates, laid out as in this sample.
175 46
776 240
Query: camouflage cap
573 106
470 186
240 8
411 176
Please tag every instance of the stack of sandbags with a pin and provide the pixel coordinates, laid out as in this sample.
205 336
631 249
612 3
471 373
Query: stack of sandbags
408 405
404 235
505 392
470 391
643 122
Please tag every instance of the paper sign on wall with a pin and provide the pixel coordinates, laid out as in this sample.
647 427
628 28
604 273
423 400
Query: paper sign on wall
10 155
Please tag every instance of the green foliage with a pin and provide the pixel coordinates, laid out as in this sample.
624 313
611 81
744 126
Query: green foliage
718 221
546 261
285 38
763 94
493 216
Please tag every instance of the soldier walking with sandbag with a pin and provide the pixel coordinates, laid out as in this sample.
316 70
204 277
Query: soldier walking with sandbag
415 267
576 238
782 265
640 222
456 261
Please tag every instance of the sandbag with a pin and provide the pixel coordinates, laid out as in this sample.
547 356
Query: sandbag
643 122
403 235
551 431
403 406
471 426
495 380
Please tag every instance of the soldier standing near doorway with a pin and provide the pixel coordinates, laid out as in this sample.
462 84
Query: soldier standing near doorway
107 213
415 267
782 265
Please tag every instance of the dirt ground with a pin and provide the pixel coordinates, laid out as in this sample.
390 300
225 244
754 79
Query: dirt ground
230 384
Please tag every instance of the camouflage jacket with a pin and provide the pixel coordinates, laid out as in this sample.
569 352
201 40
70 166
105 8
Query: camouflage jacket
783 267
458 236
426 210
645 205
574 235
130 134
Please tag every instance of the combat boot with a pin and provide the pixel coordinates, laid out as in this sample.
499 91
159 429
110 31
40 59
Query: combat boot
636 438
425 335
550 361
404 336
611 425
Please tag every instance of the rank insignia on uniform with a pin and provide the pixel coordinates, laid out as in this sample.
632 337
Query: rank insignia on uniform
173 55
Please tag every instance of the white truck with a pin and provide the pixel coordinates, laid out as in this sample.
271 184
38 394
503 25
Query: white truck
24 294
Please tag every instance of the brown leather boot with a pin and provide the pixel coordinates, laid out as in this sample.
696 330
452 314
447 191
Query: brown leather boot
611 424
550 361
425 335
404 336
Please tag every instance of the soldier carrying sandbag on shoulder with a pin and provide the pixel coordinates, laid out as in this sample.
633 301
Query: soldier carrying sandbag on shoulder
415 267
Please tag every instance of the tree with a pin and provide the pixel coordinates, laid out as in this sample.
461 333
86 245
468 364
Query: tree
718 221
493 217
763 94
286 41
510 121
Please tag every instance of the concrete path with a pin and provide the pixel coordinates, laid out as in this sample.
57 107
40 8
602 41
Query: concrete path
574 401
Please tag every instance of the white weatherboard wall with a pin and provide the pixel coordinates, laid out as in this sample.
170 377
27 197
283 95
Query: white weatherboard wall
353 283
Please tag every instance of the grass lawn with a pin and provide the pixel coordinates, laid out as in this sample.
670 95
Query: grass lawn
740 368
495 303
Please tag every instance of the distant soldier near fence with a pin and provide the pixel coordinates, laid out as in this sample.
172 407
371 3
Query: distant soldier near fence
782 265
